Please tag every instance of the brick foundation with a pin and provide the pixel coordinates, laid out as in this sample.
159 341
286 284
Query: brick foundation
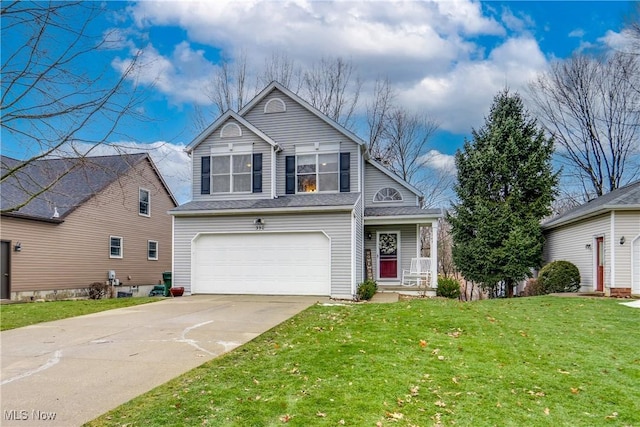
620 292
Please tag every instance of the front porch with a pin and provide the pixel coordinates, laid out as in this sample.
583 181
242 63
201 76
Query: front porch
392 240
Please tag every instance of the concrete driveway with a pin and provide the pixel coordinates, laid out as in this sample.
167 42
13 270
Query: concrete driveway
67 372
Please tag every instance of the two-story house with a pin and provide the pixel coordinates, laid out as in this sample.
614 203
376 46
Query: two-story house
287 202
67 223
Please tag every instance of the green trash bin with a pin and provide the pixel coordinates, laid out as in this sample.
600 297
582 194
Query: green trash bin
166 279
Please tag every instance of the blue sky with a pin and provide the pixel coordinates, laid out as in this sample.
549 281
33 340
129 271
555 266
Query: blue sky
447 59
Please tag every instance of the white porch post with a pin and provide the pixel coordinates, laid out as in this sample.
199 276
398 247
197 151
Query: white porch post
434 254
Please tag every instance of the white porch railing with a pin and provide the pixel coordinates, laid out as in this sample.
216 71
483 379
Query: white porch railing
419 274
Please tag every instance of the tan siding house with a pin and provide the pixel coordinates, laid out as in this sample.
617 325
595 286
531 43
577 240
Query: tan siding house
602 238
81 228
285 203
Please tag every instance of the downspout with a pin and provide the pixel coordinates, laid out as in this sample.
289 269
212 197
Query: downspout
612 240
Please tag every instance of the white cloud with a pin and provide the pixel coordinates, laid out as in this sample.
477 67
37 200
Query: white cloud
578 33
442 162
622 41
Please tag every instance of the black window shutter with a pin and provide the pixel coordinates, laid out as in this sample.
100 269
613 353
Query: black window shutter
257 172
205 175
290 170
345 165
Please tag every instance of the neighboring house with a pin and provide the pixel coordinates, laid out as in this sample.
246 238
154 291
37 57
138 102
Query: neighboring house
286 201
602 238
100 214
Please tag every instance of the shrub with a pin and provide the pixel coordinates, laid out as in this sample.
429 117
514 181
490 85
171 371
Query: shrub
559 276
448 287
99 290
367 289
533 288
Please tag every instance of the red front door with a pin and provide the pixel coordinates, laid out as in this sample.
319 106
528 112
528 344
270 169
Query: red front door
599 264
388 255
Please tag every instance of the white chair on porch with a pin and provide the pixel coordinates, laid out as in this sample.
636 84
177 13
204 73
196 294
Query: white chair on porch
419 274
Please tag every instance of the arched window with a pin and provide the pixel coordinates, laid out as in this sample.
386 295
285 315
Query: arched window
275 105
388 194
230 130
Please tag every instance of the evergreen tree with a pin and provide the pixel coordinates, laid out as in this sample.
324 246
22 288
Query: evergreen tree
505 187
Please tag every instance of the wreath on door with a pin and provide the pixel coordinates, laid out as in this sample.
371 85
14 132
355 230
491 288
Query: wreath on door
388 244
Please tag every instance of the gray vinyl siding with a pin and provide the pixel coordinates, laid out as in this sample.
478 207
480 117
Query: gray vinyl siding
337 225
408 246
299 126
570 242
627 224
375 180
204 149
75 253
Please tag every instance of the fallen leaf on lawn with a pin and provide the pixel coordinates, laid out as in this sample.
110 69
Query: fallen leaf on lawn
321 414
546 411
423 343
256 381
379 424
414 390
341 422
563 372
612 416
435 351
395 415
491 319
455 334
455 380
286 418
575 390
498 405
440 357
440 403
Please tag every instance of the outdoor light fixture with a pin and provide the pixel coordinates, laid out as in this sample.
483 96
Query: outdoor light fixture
622 240
17 247
369 237
259 223
587 246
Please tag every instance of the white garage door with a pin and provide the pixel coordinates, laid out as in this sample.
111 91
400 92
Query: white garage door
262 263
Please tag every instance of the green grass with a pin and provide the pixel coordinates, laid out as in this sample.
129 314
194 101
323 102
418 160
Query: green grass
539 361
18 315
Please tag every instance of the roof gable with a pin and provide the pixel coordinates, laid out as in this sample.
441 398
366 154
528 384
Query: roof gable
67 183
277 86
219 122
627 197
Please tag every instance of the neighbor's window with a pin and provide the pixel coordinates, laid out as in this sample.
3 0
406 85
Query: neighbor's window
231 174
388 194
152 250
145 206
115 247
317 172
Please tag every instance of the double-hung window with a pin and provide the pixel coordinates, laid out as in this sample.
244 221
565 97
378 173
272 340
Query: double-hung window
317 172
115 247
231 173
152 250
144 198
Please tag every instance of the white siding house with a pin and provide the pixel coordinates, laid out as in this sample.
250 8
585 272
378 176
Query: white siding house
286 201
602 238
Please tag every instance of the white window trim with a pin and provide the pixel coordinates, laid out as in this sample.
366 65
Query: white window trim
387 201
317 154
140 190
121 247
230 174
157 250
273 101
229 125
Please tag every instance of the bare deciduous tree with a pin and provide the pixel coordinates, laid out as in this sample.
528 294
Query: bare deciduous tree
590 107
229 87
378 110
280 68
49 98
333 87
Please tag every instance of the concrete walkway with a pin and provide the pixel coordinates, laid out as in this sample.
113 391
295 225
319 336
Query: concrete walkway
67 372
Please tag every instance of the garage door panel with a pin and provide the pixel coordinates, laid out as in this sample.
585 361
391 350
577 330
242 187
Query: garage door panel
262 263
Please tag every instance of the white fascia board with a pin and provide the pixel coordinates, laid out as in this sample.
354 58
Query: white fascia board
218 212
589 214
223 118
405 219
275 85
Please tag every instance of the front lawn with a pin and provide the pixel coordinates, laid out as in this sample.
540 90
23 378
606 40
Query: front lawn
539 361
18 315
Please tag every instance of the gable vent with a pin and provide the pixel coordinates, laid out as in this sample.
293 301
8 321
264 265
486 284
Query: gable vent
275 105
230 130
